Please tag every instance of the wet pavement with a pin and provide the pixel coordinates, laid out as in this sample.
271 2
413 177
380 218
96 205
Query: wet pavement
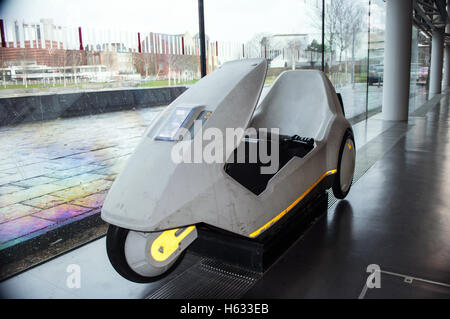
396 218
55 171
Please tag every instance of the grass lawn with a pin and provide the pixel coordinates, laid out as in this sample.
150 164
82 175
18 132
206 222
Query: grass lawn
87 85
37 86
270 79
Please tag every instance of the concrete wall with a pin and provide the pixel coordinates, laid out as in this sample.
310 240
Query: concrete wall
14 110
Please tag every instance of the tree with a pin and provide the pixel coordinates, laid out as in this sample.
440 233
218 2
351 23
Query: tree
356 26
184 66
2 65
24 62
70 58
294 45
344 22
332 13
144 63
255 46
314 46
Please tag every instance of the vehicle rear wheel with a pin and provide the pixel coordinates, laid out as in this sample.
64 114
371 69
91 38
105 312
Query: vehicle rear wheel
129 253
346 166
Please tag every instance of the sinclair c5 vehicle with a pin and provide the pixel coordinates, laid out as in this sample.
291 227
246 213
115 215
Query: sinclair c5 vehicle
156 205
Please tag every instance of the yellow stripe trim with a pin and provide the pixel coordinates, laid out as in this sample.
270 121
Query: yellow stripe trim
284 212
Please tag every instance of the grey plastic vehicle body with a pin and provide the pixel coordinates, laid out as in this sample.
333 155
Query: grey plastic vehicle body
152 193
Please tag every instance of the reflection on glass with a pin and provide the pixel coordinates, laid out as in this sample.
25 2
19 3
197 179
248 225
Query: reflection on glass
346 52
52 54
376 55
64 63
56 168
420 57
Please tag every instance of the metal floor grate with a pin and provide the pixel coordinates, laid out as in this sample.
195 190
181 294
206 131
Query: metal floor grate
207 279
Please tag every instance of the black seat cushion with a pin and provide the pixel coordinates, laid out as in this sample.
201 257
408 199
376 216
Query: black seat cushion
249 174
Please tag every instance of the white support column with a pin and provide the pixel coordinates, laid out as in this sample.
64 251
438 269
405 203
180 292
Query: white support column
446 80
437 45
397 60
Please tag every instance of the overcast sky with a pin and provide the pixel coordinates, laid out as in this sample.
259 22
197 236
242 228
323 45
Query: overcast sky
227 20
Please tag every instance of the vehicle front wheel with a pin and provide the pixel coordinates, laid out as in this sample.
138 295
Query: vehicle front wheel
129 254
346 166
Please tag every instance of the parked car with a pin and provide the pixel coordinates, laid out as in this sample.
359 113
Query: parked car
375 74
423 76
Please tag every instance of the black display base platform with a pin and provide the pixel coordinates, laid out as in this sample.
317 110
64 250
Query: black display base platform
258 254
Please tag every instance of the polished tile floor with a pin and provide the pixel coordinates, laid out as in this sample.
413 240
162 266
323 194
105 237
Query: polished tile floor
396 217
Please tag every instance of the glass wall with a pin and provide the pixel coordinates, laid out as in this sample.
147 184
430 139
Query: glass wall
288 33
88 52
112 66
376 55
346 52
420 59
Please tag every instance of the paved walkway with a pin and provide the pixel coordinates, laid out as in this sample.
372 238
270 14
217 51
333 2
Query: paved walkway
54 172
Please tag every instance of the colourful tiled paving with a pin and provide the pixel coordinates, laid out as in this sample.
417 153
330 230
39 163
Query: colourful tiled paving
93 201
55 171
8 189
45 201
61 212
22 226
15 211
